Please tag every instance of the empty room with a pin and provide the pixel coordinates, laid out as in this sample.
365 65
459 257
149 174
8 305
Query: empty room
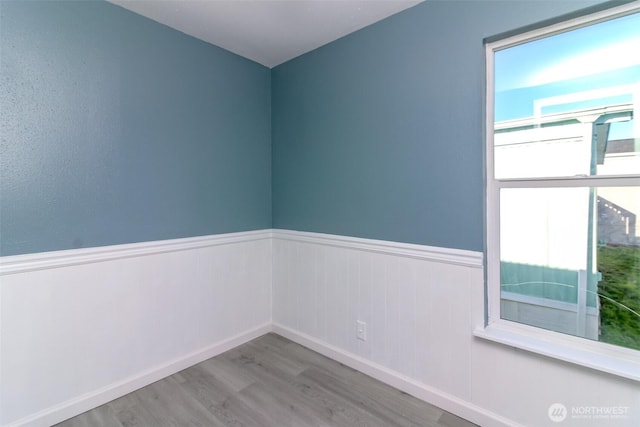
319 213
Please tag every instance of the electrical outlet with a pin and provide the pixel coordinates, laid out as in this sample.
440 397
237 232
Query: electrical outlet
361 330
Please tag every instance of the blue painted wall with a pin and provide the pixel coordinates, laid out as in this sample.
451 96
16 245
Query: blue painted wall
380 134
117 129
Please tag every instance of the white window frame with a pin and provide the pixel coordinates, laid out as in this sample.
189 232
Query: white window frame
601 356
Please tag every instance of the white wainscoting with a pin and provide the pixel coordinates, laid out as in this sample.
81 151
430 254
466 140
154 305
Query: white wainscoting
79 328
82 327
421 305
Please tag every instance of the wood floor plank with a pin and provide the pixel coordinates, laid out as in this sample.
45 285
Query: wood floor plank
275 347
297 391
101 416
227 373
376 396
172 403
236 411
414 409
208 388
342 390
219 398
330 406
409 406
130 411
268 382
281 382
449 420
282 409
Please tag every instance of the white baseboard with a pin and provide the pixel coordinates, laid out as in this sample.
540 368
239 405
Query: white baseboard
430 395
70 408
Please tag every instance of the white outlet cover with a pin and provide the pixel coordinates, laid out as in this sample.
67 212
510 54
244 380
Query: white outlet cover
361 330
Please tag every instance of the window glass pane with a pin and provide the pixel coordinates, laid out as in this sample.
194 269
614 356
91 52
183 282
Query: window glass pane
570 261
565 105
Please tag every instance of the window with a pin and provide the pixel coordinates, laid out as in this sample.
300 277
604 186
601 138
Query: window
563 184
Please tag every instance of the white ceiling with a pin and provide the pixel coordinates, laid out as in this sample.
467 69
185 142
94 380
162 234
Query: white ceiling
269 32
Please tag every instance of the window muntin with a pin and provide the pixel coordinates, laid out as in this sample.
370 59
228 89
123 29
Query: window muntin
563 180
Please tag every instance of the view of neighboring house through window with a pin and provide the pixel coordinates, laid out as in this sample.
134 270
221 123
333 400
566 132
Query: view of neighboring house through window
563 184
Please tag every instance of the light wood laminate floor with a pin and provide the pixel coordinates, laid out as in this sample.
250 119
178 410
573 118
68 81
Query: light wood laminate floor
269 381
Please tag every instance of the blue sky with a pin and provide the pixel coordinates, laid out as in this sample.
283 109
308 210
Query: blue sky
599 56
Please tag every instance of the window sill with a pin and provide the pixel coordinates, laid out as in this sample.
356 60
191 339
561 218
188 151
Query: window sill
603 357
